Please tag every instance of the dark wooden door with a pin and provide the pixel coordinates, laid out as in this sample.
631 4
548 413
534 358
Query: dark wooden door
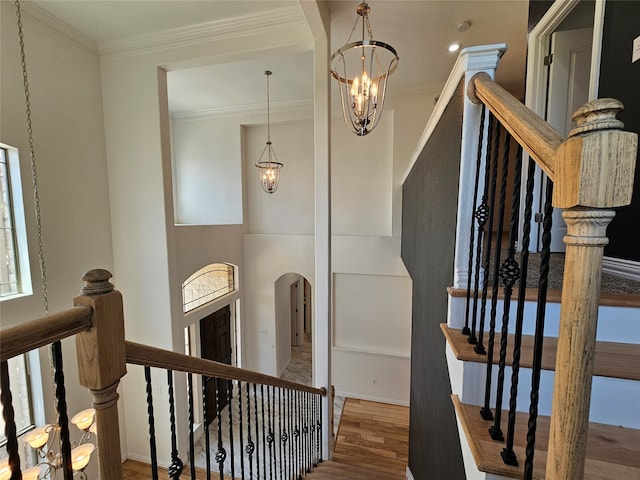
215 344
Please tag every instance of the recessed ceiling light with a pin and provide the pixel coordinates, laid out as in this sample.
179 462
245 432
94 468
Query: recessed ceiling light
454 47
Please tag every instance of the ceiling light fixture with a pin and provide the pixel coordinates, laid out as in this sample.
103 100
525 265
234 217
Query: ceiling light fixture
454 47
362 69
269 167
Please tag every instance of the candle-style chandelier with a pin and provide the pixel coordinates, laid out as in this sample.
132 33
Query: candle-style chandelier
268 164
362 69
46 439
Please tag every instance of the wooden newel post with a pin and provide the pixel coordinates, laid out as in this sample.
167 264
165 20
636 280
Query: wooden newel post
102 363
594 171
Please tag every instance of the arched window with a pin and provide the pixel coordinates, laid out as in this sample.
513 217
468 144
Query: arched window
207 284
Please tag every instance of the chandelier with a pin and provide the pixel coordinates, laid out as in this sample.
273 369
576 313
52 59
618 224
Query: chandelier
44 439
362 69
268 164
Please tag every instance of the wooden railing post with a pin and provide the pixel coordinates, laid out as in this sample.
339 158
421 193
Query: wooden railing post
102 363
594 171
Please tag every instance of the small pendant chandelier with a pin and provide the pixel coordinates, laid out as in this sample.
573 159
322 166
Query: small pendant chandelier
362 69
268 165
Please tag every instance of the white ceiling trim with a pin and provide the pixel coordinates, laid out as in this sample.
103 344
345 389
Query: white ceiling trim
216 30
58 28
294 107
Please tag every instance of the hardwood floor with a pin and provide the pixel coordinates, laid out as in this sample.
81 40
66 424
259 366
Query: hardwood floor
372 444
374 436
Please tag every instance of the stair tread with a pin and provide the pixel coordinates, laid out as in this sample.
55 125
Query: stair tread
615 360
613 452
333 470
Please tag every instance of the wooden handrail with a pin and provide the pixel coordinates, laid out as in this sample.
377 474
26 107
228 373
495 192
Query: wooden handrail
139 354
37 333
535 135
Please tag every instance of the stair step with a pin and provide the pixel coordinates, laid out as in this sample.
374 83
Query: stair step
336 470
615 360
613 452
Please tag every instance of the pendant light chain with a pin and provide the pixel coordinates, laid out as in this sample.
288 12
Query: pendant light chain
32 155
268 112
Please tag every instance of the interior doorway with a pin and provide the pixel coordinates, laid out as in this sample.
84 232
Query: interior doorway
215 344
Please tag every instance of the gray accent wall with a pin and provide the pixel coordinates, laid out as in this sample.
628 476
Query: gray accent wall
429 205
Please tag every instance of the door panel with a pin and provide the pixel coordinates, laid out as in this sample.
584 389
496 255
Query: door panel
215 344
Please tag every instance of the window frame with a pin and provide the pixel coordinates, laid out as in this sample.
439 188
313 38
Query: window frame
18 225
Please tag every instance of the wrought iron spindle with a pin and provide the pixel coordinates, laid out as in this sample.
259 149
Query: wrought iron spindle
316 420
298 433
320 431
255 415
230 406
205 419
508 454
152 428
221 453
307 431
472 234
291 436
270 435
264 441
509 273
250 448
283 435
61 408
485 412
10 430
481 214
192 460
175 467
240 428
312 429
543 285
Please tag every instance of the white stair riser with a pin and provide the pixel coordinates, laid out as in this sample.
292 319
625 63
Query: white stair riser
615 324
614 401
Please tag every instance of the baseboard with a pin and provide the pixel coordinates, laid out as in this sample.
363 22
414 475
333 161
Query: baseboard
371 398
284 368
146 459
621 268
409 474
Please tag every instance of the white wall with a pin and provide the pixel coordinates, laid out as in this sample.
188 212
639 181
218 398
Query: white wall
207 171
64 81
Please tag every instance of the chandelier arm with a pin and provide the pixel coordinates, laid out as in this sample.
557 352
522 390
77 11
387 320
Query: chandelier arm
359 44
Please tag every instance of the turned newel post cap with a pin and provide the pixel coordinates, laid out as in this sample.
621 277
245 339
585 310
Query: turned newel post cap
97 282
598 114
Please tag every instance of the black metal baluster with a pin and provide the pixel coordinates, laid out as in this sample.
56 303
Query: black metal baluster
61 408
283 435
307 430
221 453
205 420
482 214
250 448
152 428
316 399
255 415
10 430
175 467
291 437
270 435
508 454
240 421
320 431
509 273
539 334
296 432
231 441
312 429
192 460
264 441
472 234
485 412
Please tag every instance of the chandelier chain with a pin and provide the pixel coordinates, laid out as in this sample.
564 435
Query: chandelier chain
34 179
268 112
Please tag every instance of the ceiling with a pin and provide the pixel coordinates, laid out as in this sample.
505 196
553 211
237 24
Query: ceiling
419 30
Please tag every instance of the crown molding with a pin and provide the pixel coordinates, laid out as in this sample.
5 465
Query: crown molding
299 108
217 30
58 28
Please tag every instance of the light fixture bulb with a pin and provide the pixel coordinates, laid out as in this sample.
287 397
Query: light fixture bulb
84 419
81 455
38 437
454 47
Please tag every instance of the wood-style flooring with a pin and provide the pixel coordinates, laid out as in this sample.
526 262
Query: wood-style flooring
372 444
374 437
